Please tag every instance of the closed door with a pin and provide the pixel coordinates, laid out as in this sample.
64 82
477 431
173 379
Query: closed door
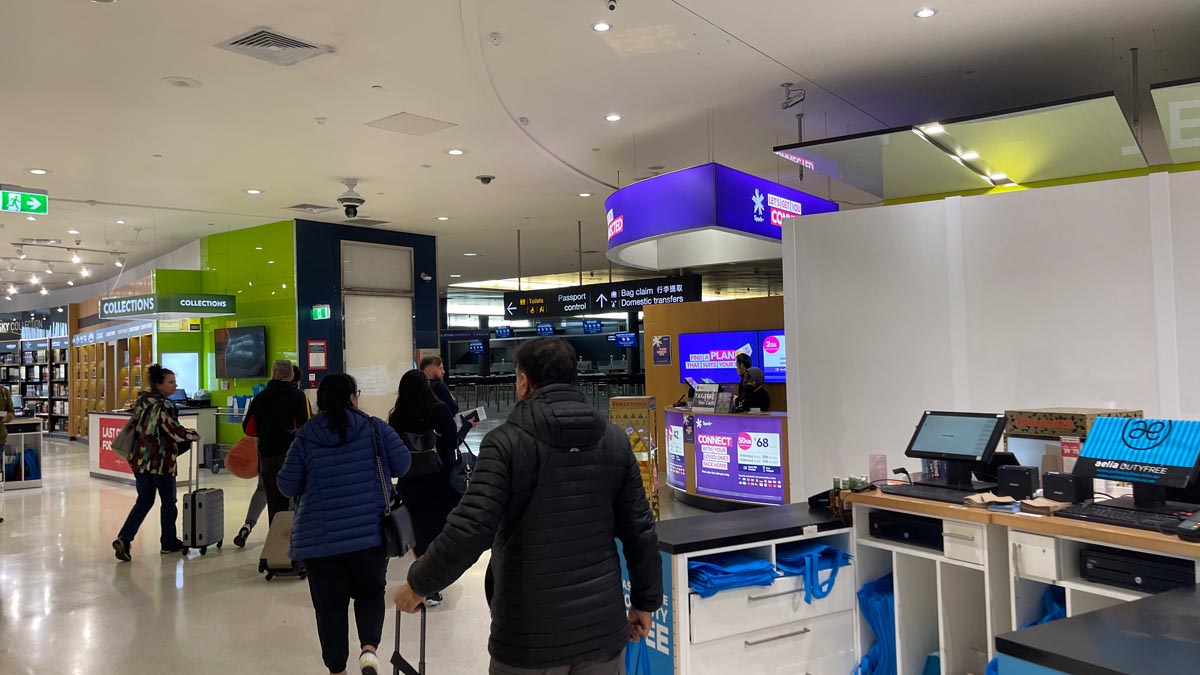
379 347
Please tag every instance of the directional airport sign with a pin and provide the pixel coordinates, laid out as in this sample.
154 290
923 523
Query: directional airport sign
619 296
24 202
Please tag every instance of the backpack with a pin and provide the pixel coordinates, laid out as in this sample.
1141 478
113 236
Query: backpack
424 451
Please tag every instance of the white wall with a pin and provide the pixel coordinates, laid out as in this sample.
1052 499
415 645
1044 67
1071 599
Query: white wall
1080 295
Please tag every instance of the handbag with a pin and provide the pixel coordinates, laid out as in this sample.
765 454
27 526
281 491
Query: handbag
425 458
399 537
122 445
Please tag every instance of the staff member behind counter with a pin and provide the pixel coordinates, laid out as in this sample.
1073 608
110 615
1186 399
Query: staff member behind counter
756 399
743 364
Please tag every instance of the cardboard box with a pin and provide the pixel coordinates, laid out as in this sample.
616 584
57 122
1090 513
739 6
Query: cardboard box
1058 422
1051 437
636 416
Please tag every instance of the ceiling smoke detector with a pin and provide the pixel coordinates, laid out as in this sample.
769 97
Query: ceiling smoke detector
179 82
267 45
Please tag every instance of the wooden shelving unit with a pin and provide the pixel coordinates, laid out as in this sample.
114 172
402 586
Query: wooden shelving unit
89 385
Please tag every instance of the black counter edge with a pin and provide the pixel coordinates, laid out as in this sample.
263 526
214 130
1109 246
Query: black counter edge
751 538
1041 657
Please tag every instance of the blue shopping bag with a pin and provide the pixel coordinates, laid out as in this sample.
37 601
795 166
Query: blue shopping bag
637 658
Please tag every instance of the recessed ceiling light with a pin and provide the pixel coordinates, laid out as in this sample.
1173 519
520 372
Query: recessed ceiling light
72 231
38 172
285 287
270 262
257 248
120 222
1011 184
602 26
254 191
470 255
443 218
455 276
31 218
925 13
613 117
933 129
585 194
60 309
455 152
969 155
999 176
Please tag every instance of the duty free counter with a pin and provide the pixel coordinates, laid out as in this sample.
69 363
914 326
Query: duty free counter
717 459
104 427
989 579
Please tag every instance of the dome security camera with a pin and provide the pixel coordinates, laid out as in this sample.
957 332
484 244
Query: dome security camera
612 5
351 200
486 180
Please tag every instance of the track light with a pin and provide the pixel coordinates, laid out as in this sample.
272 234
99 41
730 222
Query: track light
75 257
35 280
70 282
12 266
121 261
20 252
85 272
49 268
43 291
12 290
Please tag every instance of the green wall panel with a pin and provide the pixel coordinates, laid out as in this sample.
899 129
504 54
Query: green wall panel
238 263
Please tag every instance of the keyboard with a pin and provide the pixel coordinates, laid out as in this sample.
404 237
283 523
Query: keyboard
936 494
1107 515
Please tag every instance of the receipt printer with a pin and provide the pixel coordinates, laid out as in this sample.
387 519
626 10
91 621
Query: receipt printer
1066 487
1018 482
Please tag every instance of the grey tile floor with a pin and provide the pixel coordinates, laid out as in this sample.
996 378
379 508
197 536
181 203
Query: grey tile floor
67 607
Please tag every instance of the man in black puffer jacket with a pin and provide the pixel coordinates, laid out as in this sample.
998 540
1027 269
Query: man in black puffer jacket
553 487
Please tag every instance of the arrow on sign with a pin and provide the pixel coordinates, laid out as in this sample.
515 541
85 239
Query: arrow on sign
601 299
510 308
32 203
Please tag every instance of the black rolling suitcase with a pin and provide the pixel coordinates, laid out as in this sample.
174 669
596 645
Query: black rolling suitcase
399 663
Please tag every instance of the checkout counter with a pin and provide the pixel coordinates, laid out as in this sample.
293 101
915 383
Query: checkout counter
718 460
104 427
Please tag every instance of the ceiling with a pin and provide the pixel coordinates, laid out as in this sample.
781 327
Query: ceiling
693 79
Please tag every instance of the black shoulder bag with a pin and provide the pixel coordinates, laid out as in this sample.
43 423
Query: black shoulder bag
398 535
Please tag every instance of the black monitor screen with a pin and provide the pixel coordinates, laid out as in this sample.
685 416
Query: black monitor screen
241 352
1141 450
957 436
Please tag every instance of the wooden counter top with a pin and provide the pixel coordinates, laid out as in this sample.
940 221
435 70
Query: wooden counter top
1105 534
924 507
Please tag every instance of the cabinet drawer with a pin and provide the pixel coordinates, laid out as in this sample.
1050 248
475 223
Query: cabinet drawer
963 541
817 646
742 610
1034 557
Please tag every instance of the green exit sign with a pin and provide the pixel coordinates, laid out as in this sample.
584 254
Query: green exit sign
24 202
320 312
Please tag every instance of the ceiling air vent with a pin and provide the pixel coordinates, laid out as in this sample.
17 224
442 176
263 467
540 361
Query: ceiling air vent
365 222
310 208
272 47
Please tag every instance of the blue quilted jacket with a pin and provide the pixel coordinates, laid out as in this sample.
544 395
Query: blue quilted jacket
340 501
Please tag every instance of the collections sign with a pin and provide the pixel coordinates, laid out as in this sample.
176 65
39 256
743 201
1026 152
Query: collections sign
740 458
600 298
191 304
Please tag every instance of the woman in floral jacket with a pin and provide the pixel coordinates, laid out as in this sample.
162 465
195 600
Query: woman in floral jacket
159 439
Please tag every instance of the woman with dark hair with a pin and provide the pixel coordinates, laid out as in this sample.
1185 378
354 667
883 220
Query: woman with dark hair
337 470
159 439
430 498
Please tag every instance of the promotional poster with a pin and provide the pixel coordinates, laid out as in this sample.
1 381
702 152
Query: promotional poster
772 346
676 474
740 458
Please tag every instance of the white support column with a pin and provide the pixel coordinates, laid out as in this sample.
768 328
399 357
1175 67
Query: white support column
1163 251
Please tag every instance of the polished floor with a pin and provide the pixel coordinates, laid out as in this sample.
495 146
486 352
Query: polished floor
68 607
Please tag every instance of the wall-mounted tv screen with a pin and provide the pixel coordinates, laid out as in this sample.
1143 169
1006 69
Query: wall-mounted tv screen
626 339
772 352
241 352
592 326
713 356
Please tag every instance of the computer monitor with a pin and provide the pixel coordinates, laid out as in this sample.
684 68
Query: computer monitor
179 395
18 401
1153 454
963 440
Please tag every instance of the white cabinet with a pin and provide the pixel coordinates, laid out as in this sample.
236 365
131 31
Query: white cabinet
817 646
744 610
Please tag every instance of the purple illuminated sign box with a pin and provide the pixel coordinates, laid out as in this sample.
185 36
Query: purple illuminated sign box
702 197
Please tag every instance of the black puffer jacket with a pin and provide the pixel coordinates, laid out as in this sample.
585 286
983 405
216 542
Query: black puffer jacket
552 488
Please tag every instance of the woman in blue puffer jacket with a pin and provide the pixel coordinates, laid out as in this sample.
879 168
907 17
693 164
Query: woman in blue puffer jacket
334 471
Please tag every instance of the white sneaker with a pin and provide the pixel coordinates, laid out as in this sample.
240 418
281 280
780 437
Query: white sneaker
368 661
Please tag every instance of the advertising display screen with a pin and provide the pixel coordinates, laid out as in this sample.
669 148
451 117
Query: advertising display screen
713 356
772 351
475 347
676 473
503 332
739 458
241 352
626 339
545 329
1141 450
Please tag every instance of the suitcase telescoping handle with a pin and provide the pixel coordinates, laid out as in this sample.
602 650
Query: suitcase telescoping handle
399 663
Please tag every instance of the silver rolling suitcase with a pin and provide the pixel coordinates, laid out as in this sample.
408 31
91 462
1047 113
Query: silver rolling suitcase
203 514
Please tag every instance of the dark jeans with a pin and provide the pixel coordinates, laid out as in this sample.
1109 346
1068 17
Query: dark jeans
614 667
332 582
147 485
268 471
